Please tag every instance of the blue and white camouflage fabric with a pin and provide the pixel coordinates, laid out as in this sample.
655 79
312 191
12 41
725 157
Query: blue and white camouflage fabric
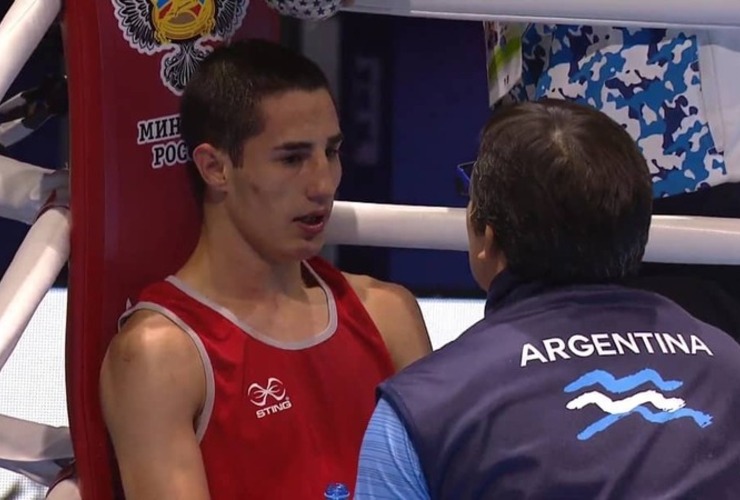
648 80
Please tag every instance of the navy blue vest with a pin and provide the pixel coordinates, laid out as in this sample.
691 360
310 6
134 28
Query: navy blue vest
577 392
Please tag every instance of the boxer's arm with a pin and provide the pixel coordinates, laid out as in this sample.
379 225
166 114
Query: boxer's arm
152 388
398 317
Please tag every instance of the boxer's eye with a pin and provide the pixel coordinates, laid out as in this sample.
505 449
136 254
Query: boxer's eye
293 160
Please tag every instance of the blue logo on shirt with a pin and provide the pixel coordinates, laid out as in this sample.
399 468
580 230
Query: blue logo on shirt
336 491
670 408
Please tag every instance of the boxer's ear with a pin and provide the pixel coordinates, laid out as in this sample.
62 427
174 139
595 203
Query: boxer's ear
212 164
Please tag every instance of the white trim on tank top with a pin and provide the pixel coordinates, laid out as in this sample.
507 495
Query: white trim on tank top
204 416
324 335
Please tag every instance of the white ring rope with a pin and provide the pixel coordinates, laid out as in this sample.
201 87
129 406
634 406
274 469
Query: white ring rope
13 102
12 132
25 188
21 30
31 274
399 226
34 450
673 239
648 13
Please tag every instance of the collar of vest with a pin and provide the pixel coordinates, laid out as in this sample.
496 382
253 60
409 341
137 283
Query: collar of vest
508 288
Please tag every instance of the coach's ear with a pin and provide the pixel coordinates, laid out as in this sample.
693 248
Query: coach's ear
490 248
212 164
493 250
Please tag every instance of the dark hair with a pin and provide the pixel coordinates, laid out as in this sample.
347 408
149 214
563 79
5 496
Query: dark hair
220 104
565 189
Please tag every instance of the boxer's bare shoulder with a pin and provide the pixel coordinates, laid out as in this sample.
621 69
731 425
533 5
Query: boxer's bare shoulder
152 388
397 315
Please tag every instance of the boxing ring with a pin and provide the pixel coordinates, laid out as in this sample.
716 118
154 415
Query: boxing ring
131 219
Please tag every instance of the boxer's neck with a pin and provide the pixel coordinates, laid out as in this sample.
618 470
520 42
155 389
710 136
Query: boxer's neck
234 271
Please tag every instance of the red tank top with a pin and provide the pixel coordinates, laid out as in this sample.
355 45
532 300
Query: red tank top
280 420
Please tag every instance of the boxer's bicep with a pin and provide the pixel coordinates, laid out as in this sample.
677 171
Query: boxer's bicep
402 325
152 387
397 315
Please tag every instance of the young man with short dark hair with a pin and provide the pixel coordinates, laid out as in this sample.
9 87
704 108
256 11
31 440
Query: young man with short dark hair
250 373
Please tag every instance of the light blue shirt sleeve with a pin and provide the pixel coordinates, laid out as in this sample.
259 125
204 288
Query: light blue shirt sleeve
389 466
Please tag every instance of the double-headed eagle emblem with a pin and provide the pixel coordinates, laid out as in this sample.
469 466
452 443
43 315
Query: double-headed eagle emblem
178 27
